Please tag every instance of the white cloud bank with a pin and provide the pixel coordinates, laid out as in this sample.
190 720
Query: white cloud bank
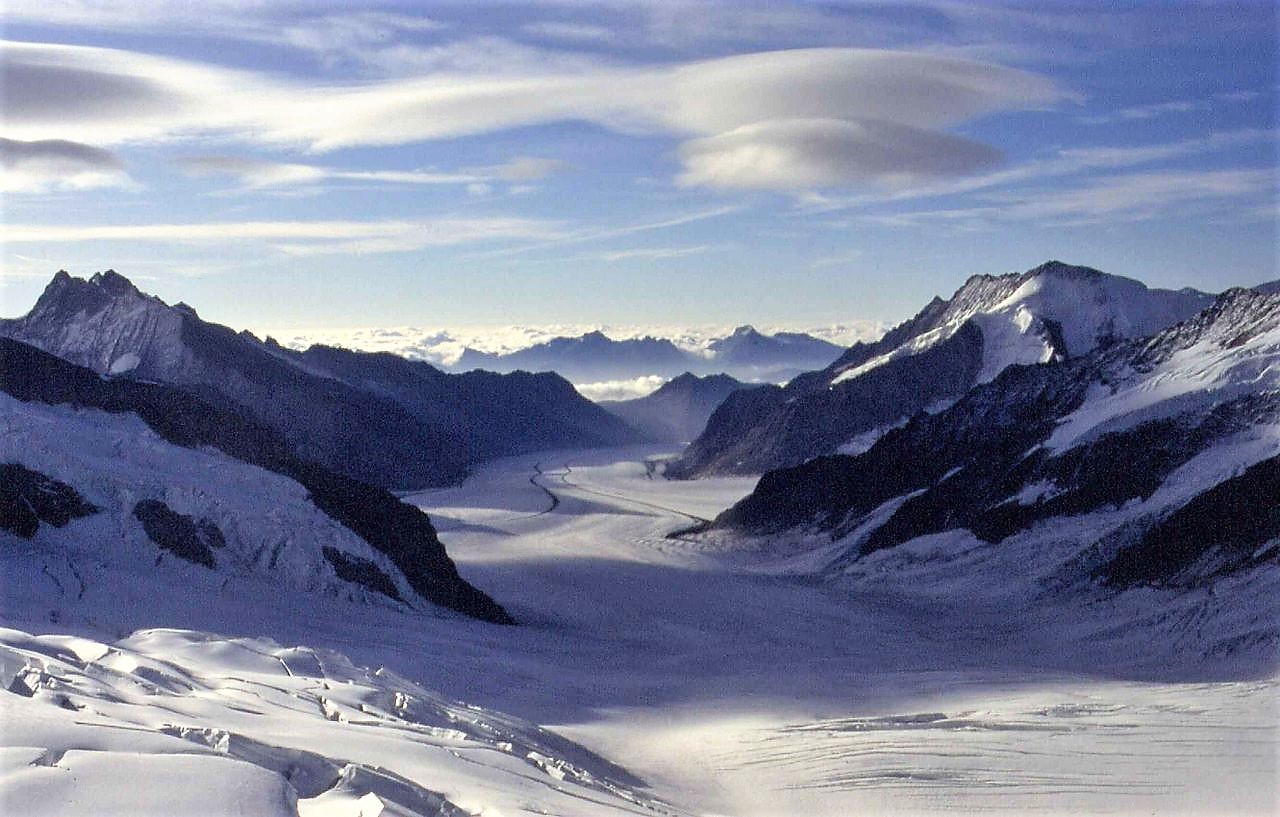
816 117
621 389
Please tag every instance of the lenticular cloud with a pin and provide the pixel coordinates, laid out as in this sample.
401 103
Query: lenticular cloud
811 117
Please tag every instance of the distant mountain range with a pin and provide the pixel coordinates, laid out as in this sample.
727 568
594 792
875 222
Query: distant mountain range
375 417
1151 461
1053 312
594 357
678 411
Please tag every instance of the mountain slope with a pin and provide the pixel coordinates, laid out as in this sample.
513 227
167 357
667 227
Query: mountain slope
163 465
398 426
1054 311
678 411
1152 460
493 415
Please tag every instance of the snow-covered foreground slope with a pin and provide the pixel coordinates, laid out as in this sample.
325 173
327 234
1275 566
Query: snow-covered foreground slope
180 722
711 686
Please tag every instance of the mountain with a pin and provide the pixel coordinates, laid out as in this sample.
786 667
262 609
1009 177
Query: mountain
1152 461
1052 312
678 411
1269 288
493 415
119 472
594 357
747 350
392 423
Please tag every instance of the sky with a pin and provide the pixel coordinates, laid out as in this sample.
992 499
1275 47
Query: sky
287 165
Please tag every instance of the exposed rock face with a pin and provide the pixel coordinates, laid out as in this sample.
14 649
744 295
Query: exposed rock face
678 411
372 417
1231 526
29 498
401 532
361 571
1052 312
1142 423
184 537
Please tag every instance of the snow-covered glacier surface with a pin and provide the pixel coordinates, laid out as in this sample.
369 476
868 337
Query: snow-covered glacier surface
651 675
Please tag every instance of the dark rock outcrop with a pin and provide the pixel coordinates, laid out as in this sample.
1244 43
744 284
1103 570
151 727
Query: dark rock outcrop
1224 529
183 536
29 498
362 572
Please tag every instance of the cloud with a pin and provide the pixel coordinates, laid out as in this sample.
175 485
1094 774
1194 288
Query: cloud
1062 163
867 96
524 169
1108 200
352 33
258 174
620 389
570 32
822 153
490 56
1138 196
303 238
1157 109
56 164
605 233
650 253
255 174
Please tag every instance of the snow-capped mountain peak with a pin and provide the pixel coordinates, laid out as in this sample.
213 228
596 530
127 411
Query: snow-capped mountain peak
1053 310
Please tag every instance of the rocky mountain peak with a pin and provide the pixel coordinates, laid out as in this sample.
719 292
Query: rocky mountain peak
114 284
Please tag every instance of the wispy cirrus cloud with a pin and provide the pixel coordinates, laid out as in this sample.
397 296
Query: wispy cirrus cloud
1175 106
570 32
303 238
1128 197
1064 162
330 237
649 253
258 174
593 234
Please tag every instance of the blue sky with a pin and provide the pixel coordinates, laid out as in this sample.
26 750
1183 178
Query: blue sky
293 164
